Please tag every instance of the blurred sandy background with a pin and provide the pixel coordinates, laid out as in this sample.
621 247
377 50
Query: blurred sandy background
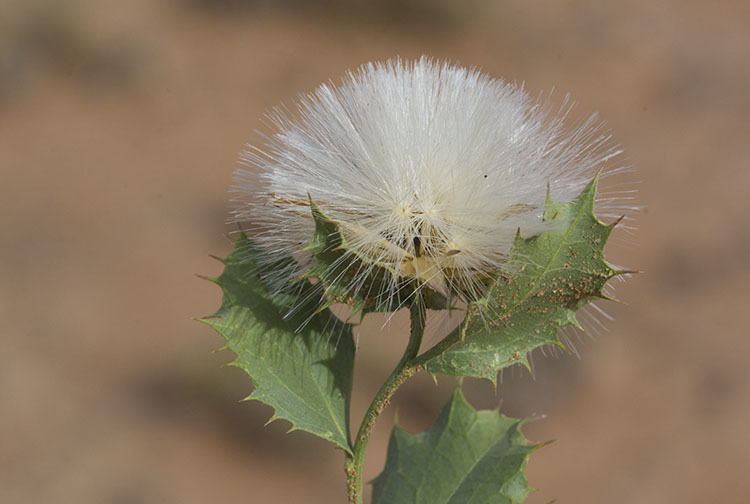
119 128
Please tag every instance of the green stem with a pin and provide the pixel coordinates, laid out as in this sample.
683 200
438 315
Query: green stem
402 372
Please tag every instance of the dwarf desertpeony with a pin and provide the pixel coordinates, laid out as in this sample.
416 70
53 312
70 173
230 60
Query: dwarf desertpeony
428 169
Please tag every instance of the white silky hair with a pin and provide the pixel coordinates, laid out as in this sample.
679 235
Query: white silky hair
428 168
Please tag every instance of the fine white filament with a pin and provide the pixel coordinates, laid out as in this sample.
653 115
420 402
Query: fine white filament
429 170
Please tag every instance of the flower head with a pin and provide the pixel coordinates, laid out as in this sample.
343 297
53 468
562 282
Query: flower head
429 170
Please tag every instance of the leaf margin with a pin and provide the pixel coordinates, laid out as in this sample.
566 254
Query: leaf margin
402 440
244 248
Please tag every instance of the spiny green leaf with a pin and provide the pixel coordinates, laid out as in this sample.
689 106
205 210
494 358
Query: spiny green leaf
551 276
467 457
301 364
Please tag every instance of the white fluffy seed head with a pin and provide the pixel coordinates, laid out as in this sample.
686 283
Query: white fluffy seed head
429 170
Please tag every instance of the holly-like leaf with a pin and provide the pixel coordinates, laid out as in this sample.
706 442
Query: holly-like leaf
467 457
300 360
551 275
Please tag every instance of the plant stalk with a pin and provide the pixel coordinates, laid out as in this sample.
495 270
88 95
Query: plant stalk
402 372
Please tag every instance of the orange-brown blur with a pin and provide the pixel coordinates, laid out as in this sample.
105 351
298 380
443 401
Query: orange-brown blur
120 124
